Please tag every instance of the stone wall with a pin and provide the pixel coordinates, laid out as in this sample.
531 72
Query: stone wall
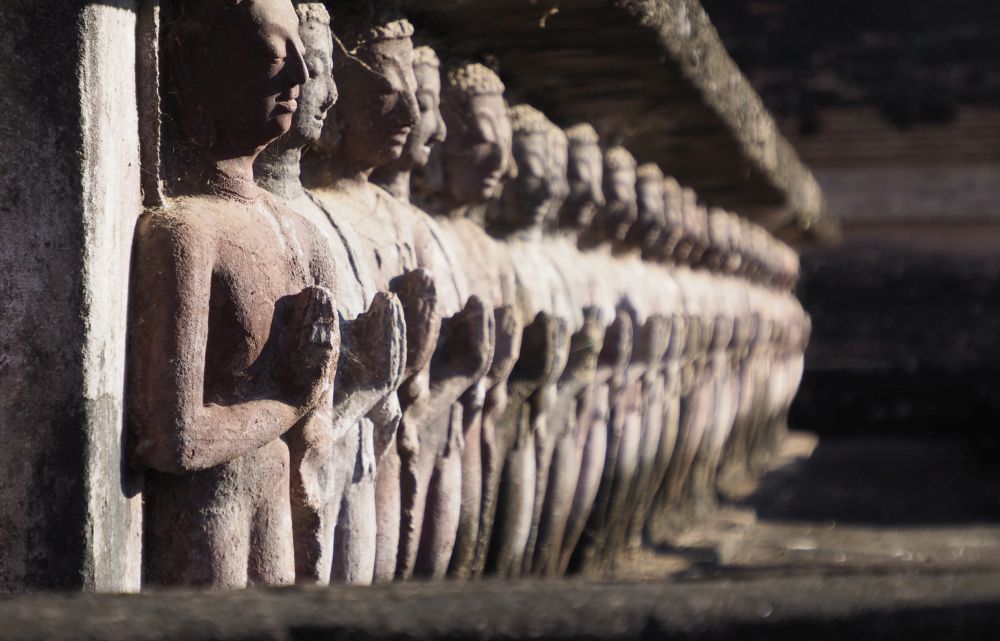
70 195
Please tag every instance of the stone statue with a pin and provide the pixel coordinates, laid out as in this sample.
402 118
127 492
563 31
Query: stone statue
370 128
662 384
333 468
528 198
474 159
579 456
448 463
695 395
611 233
652 296
651 221
719 260
559 447
234 339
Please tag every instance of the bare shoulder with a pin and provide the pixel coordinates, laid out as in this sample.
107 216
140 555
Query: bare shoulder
186 225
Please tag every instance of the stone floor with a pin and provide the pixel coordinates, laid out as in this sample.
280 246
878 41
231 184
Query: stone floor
844 506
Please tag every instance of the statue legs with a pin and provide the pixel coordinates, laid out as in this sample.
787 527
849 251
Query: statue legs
225 527
355 538
592 461
463 552
443 506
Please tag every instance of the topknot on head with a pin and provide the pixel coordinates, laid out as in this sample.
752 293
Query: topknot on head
649 171
582 134
525 120
618 158
426 56
312 12
474 79
363 22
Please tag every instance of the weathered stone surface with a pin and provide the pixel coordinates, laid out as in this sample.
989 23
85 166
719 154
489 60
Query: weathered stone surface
69 194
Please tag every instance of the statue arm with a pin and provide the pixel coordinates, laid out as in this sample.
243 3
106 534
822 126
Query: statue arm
177 431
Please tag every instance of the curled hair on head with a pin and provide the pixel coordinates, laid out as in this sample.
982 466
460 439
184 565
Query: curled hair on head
525 120
582 134
649 171
618 158
358 23
472 79
311 11
425 56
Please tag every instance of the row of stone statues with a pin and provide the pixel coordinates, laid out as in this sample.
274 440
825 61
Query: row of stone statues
509 369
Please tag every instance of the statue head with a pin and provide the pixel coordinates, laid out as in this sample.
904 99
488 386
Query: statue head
319 92
558 167
620 211
758 253
673 204
430 129
718 240
532 194
742 236
695 227
585 176
477 152
733 260
649 228
238 68
373 63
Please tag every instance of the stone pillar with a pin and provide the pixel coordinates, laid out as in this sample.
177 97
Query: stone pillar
69 197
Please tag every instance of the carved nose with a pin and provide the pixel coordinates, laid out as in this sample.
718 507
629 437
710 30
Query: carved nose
441 131
409 110
332 96
495 156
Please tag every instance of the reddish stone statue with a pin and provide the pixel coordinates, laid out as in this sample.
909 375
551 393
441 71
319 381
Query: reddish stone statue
333 472
234 336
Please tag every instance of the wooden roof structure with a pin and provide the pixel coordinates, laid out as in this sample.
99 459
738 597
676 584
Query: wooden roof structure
652 75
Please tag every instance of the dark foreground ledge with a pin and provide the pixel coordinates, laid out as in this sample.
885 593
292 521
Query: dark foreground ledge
910 607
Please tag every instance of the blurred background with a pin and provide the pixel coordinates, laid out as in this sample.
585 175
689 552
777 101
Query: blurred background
895 105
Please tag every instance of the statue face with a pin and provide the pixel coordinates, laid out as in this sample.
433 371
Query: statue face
621 210
478 150
248 83
319 93
558 164
533 185
651 216
674 222
379 105
585 173
430 129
